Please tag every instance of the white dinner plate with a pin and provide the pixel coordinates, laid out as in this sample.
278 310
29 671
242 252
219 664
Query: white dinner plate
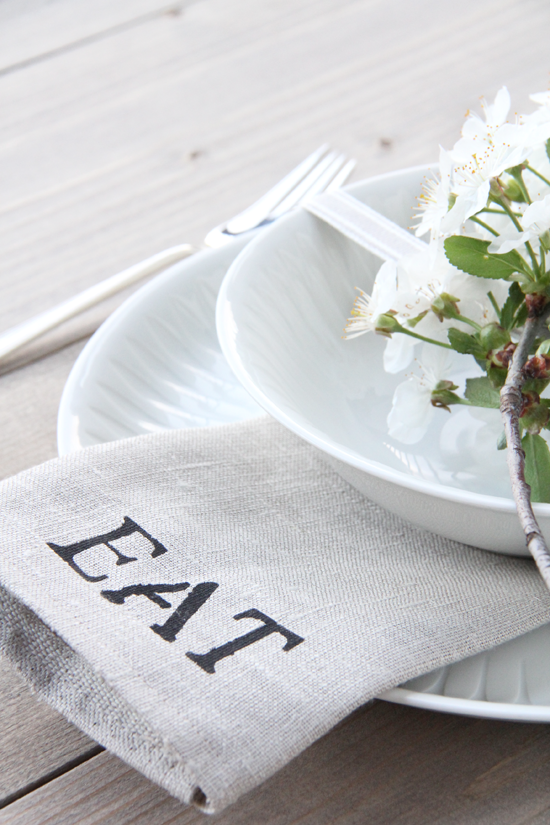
156 364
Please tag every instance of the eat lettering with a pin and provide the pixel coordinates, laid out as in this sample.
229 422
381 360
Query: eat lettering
191 603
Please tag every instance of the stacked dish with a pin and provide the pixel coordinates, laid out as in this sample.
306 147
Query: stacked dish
156 364
280 315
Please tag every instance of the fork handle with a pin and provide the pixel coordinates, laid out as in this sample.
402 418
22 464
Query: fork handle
364 225
21 334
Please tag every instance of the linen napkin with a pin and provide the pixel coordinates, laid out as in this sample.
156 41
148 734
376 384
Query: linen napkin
206 603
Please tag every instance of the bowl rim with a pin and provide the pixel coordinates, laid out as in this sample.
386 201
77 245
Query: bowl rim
224 316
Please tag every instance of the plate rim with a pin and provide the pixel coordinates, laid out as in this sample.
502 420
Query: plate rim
65 434
467 707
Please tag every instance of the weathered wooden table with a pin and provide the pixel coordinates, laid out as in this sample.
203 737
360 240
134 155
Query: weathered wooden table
132 125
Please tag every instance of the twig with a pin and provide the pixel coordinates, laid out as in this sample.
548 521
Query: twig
510 407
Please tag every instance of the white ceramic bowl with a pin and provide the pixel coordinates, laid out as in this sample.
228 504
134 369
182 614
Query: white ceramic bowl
280 314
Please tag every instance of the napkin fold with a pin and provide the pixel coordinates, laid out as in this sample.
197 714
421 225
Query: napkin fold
206 603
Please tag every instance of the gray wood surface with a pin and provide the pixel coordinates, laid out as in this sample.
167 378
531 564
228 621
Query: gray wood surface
384 765
132 125
35 740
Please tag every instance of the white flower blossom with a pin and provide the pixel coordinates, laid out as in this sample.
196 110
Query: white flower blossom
536 221
543 98
408 290
412 410
423 296
399 352
433 203
542 114
496 133
479 135
421 278
483 153
537 217
472 182
368 308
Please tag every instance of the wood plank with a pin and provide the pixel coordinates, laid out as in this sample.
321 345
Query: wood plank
147 137
36 740
156 134
36 30
29 399
385 765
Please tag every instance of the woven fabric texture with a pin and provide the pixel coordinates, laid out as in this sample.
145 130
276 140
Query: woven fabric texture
206 603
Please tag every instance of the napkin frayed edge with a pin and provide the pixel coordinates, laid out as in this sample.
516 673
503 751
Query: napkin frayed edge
62 679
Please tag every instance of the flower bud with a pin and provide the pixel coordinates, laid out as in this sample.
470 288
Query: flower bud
443 395
538 367
496 192
502 357
535 303
386 324
513 191
445 306
493 337
534 415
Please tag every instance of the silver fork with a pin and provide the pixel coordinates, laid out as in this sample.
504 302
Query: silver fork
321 171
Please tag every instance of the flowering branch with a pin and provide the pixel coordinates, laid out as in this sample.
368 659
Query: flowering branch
511 405
481 289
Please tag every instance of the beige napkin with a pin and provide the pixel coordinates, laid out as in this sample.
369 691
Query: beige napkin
206 603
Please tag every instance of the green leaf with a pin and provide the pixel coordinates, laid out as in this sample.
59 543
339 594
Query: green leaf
465 343
471 256
537 466
548 148
481 393
497 375
521 316
537 385
512 303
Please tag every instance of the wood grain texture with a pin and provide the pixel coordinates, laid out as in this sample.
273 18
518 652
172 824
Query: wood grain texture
32 31
35 740
141 140
384 765
127 128
29 399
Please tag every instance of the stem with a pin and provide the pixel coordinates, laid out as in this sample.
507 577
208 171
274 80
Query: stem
468 321
510 408
533 258
423 338
519 227
485 226
496 212
522 186
511 215
534 172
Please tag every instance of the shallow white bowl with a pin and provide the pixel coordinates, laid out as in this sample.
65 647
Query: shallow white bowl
280 314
